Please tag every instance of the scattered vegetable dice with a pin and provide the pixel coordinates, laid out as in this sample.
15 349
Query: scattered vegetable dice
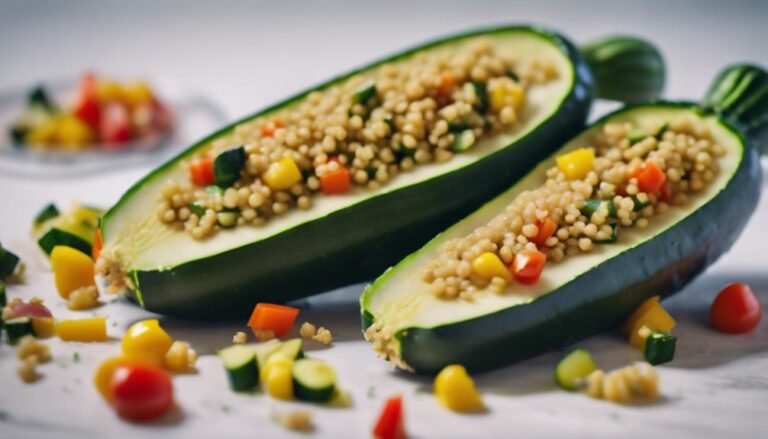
455 389
141 392
87 329
72 269
574 368
736 309
270 317
391 424
146 342
577 163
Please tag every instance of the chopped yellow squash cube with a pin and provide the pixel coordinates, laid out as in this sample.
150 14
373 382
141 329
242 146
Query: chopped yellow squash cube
88 329
577 163
72 269
283 174
455 389
488 265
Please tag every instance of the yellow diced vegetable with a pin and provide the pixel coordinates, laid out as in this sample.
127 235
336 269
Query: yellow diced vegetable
279 381
43 327
576 164
275 360
43 134
108 91
88 329
650 315
102 379
506 94
73 133
488 265
146 342
72 269
180 357
137 93
283 174
455 389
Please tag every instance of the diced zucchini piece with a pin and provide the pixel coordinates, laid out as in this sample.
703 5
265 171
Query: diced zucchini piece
227 166
39 97
292 349
48 212
574 368
56 236
18 133
3 298
463 141
659 347
17 328
614 235
242 367
364 92
639 204
196 209
592 205
8 262
214 190
481 93
264 350
313 380
228 218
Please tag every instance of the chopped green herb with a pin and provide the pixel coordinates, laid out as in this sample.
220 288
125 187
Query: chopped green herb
76 357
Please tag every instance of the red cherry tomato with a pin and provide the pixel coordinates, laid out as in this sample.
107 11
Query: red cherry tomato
141 392
31 310
115 126
735 309
87 105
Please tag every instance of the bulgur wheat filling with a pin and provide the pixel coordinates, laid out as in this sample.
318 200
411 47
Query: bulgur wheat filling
621 179
361 132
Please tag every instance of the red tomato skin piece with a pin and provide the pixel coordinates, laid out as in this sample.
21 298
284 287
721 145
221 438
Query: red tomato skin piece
736 309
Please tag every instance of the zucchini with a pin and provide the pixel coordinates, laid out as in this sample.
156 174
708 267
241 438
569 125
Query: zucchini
626 69
592 205
574 368
3 297
581 296
265 350
17 328
48 212
242 367
302 252
659 348
364 92
292 349
313 380
227 166
8 262
75 228
463 141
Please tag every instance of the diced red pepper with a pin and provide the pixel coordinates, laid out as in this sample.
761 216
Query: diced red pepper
650 177
337 181
201 171
115 125
86 106
268 130
665 193
528 265
546 230
390 424
446 88
276 318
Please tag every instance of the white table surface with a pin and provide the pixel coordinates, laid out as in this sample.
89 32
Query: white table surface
248 54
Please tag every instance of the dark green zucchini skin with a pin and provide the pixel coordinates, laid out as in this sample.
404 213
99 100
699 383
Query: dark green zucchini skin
356 243
602 297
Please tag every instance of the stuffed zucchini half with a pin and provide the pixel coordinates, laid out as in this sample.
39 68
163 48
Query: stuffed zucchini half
635 206
332 185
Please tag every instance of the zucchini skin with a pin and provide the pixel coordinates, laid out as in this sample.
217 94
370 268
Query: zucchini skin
602 297
356 243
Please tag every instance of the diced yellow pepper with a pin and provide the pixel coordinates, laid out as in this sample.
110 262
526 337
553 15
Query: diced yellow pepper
283 174
180 357
102 379
146 342
652 316
455 390
108 91
88 329
43 327
72 269
273 361
137 93
577 163
488 265
73 133
505 94
279 382
43 134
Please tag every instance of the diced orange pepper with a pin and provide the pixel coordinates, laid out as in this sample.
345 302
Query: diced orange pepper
269 128
446 87
276 318
201 171
528 265
97 245
650 177
336 182
546 230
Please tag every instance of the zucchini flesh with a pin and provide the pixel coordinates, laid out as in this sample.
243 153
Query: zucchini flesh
659 348
242 367
573 300
292 349
161 264
574 368
313 380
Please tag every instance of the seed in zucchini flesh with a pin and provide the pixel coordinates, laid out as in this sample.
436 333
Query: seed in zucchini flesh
227 166
574 368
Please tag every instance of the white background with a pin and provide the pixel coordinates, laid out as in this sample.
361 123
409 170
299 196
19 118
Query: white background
246 55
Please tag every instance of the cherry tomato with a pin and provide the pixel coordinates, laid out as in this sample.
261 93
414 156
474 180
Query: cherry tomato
86 106
141 392
115 126
31 310
735 309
